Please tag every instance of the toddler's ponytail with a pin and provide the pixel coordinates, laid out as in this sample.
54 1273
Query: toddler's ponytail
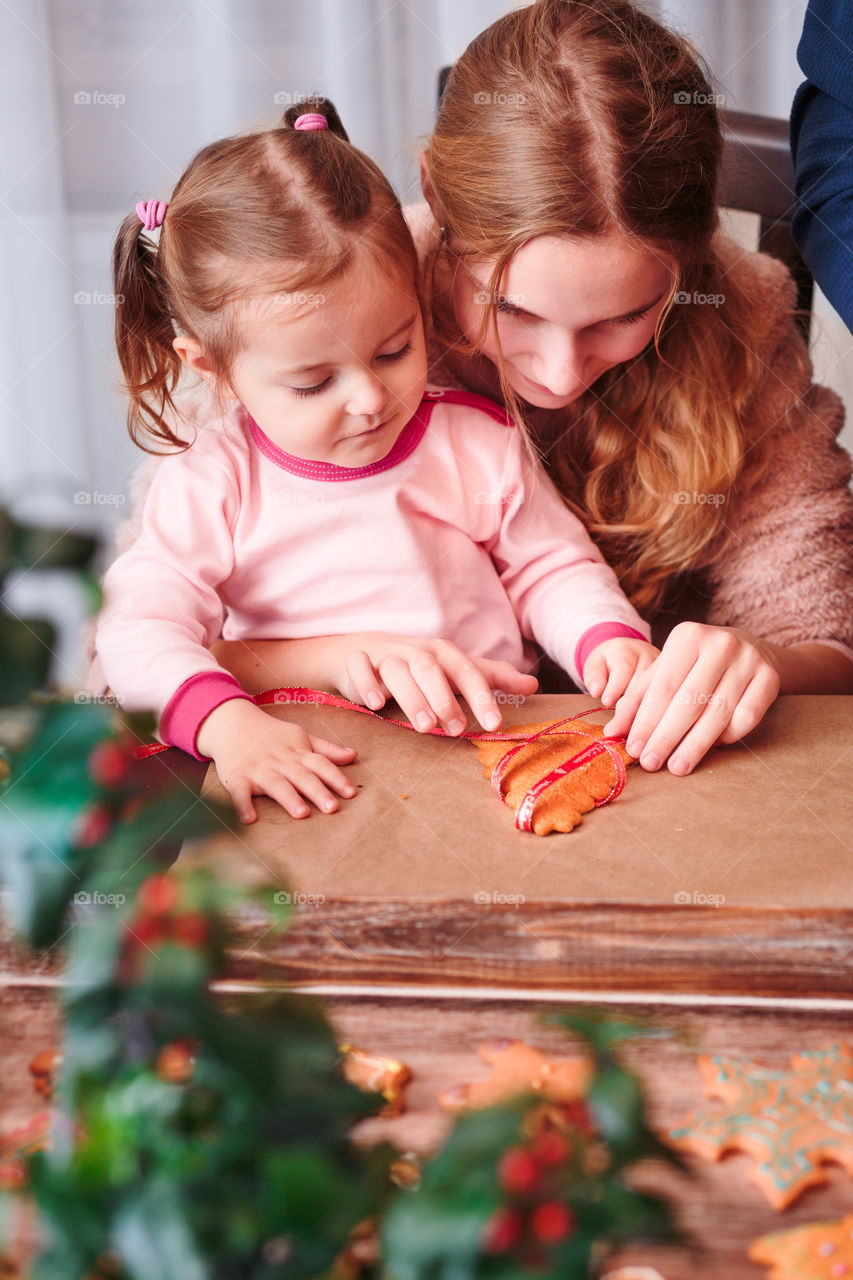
144 333
315 105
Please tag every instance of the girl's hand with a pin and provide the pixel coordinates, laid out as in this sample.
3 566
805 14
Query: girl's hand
422 676
709 685
614 665
255 754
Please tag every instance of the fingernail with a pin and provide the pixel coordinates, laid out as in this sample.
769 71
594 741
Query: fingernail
635 747
492 720
349 791
329 806
374 701
424 721
456 726
650 762
680 765
301 813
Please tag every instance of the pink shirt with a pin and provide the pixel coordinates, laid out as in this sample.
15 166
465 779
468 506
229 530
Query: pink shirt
453 534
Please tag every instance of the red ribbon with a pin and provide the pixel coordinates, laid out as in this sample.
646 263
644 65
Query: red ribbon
527 804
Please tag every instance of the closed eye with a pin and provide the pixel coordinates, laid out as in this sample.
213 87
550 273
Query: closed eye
389 358
396 355
507 309
311 391
633 318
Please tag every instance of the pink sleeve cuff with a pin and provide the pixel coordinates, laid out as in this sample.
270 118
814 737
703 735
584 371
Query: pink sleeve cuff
192 703
597 635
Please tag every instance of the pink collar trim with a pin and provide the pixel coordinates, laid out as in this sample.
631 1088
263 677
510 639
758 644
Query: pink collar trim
406 442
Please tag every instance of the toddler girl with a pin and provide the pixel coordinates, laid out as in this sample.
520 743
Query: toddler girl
336 493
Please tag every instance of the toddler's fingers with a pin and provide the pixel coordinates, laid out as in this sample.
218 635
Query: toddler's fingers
596 672
330 774
333 750
477 688
430 672
310 785
618 680
364 679
241 798
503 675
628 705
287 795
406 691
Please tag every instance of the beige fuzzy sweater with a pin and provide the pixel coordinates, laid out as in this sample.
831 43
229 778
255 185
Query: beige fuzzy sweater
787 574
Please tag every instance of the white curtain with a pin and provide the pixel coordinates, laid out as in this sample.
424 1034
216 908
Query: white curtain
104 102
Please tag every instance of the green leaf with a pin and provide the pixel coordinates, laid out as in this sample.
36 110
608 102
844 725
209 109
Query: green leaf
151 1236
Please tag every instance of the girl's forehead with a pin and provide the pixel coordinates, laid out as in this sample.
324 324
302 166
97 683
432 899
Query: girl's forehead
341 314
605 275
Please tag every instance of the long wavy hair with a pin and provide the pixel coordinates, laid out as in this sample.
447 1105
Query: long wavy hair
281 212
584 117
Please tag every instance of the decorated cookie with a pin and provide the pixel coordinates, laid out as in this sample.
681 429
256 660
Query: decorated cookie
792 1122
377 1075
820 1251
519 1068
557 775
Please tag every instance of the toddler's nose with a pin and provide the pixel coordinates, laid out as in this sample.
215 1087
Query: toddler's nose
369 398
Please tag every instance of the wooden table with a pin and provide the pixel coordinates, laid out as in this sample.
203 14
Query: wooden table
718 905
735 880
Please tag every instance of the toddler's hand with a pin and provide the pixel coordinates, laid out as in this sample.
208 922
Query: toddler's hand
614 665
422 676
255 754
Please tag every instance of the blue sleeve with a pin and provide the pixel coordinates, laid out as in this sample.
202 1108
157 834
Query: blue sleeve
822 147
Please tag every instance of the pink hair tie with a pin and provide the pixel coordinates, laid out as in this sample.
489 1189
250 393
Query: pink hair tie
151 213
311 120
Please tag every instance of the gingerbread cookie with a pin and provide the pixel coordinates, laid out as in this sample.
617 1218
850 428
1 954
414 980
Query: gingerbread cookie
556 776
820 1251
519 1068
792 1121
377 1075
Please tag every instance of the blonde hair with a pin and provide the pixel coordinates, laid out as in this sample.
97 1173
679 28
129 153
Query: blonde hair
282 210
581 118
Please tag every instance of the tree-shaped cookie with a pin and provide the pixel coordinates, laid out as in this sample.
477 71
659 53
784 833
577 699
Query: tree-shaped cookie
558 773
519 1068
793 1121
819 1251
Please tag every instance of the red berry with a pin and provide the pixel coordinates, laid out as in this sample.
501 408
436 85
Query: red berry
518 1172
147 931
157 895
502 1231
109 764
190 929
577 1115
551 1221
550 1149
93 826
